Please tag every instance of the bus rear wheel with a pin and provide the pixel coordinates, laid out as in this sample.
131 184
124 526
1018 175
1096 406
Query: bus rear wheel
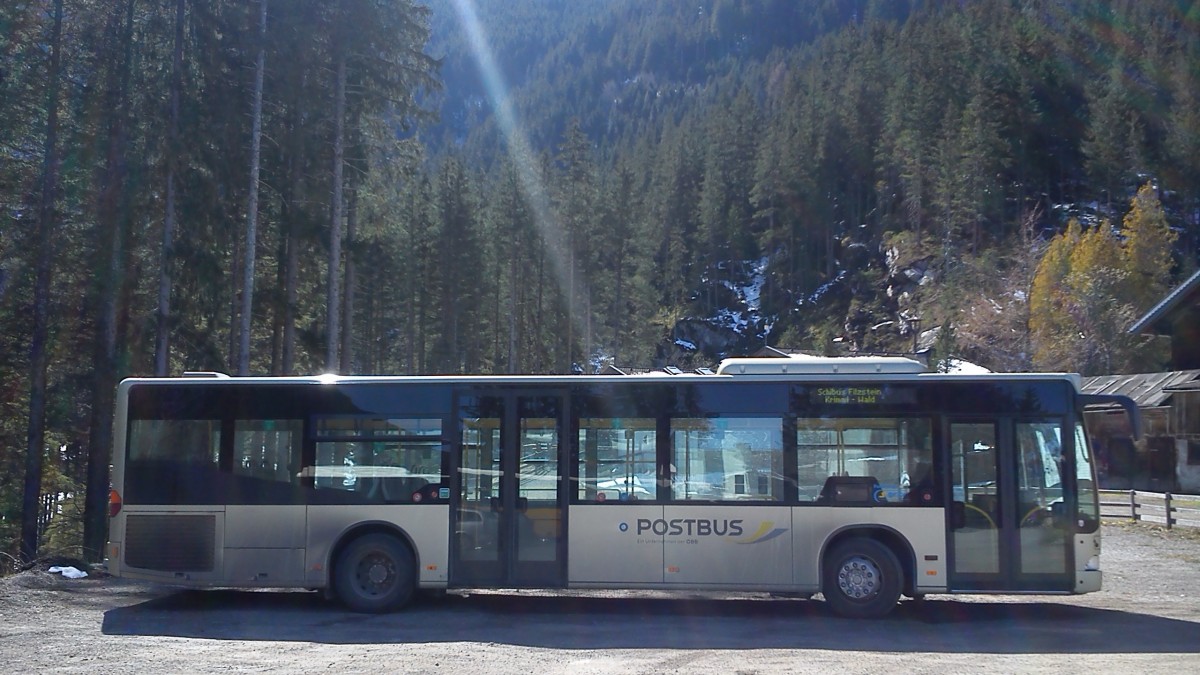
861 579
375 573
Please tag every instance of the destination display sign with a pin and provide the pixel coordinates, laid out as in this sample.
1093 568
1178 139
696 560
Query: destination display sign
859 395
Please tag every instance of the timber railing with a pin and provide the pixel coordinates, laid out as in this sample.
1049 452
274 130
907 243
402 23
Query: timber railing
1151 507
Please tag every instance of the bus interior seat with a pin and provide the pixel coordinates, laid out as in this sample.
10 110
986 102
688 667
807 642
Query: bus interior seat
863 490
400 489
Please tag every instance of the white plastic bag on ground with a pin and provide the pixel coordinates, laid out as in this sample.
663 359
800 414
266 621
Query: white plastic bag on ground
69 572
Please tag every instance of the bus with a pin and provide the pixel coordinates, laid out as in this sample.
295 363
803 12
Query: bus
862 479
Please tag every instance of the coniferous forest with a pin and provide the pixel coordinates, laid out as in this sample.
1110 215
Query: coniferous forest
548 186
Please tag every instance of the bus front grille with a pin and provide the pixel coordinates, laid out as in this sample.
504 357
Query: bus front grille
170 543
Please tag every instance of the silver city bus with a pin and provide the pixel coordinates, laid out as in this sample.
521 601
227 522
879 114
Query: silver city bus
863 479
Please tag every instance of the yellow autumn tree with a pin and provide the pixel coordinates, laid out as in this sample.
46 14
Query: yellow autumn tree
1147 249
1049 324
1090 286
1098 306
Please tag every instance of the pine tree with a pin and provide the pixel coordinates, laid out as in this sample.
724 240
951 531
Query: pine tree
162 341
1115 133
47 226
459 274
575 211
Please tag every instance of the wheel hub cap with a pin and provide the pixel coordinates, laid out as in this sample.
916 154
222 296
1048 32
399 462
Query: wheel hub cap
377 574
858 578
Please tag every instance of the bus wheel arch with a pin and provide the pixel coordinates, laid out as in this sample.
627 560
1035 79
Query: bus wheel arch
864 571
374 569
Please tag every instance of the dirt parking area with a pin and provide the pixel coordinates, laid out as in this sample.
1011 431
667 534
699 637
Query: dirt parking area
1147 618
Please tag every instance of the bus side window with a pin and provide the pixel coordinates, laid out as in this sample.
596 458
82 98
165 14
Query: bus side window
337 466
731 458
267 449
894 452
616 459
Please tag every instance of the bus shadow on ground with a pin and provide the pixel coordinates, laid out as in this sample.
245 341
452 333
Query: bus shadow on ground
590 622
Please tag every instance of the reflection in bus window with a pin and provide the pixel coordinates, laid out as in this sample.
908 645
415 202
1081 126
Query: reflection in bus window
172 461
975 471
1040 497
267 449
480 461
896 452
616 459
187 441
1088 498
727 458
537 473
379 460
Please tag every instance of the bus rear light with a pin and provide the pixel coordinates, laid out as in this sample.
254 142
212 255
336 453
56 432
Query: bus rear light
114 503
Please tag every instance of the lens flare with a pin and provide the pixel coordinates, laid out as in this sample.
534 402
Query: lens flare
548 223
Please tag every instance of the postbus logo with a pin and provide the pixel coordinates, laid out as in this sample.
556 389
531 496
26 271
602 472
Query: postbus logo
734 529
766 531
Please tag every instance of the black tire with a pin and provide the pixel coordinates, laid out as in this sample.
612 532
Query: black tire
861 579
375 573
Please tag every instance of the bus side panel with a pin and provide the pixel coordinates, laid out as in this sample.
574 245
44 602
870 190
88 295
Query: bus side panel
925 531
264 545
727 545
1087 555
427 525
923 528
615 544
114 548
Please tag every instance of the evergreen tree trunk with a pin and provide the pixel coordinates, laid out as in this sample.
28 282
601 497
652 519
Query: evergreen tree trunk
252 207
232 337
571 310
514 294
277 306
46 226
347 359
291 251
162 343
291 302
112 216
333 307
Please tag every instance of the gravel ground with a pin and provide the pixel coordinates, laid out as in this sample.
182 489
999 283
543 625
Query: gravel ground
1147 618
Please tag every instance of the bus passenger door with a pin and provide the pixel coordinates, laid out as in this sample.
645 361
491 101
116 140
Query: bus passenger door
508 515
1009 523
976 513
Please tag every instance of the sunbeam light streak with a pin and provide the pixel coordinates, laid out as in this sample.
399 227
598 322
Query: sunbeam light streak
546 221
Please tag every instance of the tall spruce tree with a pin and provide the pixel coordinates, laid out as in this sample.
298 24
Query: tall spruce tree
47 226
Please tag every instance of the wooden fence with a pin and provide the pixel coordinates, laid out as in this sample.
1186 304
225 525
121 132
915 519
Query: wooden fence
1151 507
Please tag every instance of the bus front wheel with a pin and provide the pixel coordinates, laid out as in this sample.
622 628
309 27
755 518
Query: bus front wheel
375 573
862 579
